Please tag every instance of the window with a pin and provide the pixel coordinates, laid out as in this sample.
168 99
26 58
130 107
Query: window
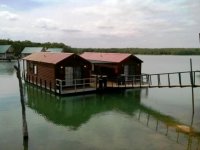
35 69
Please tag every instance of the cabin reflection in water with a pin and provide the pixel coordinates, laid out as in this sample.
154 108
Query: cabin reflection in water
75 111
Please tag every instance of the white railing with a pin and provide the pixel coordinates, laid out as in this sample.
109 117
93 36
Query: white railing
75 85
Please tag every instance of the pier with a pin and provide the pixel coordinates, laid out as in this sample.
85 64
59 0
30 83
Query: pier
160 80
102 83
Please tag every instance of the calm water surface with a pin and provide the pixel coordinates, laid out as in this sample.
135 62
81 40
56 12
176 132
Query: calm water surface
125 120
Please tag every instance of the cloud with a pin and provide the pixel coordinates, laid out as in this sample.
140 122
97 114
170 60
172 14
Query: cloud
103 27
47 24
8 15
94 23
3 6
71 30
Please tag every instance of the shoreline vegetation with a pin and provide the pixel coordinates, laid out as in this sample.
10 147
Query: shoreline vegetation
20 45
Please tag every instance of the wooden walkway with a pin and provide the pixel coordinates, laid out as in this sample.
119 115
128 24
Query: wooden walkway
162 80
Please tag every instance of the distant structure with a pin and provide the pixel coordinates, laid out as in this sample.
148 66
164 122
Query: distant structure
55 50
6 52
29 50
113 65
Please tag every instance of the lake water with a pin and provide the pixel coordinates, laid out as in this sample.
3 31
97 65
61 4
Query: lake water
126 120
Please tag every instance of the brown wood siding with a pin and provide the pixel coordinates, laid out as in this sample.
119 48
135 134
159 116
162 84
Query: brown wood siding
114 70
45 74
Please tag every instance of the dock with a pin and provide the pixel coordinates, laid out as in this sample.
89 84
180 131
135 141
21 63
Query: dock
103 84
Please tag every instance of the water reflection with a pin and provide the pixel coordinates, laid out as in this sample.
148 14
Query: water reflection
75 111
7 68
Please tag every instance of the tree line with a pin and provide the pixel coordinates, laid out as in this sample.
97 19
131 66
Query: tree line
20 45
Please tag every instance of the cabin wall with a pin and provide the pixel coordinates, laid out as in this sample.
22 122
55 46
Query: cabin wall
75 62
114 70
41 74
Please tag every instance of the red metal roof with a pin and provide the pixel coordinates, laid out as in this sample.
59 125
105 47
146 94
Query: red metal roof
47 57
105 57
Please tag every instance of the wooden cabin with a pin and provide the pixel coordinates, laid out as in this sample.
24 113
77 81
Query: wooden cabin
66 71
6 52
113 65
29 50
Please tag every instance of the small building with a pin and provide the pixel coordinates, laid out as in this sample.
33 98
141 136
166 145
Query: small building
115 69
55 50
6 52
60 72
29 50
113 65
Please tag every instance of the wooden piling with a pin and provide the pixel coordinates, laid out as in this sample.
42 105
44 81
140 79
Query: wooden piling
192 83
24 123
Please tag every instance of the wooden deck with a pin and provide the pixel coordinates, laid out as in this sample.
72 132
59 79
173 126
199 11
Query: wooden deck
145 85
164 80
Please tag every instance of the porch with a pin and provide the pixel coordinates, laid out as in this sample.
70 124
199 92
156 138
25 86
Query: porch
75 86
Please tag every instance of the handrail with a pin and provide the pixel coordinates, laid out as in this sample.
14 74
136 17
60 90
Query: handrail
74 84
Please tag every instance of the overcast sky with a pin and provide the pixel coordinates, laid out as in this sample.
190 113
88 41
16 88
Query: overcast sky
103 23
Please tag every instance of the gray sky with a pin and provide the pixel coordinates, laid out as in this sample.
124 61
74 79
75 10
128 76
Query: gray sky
103 23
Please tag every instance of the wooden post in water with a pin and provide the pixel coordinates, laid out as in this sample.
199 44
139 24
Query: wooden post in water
25 128
192 83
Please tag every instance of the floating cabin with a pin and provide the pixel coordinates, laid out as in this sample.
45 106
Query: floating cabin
29 50
114 65
6 52
68 73
62 73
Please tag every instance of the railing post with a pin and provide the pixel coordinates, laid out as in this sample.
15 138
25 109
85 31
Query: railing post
179 74
157 125
55 86
84 83
148 120
125 81
132 80
158 75
75 85
60 84
40 82
149 80
36 81
194 77
50 86
169 80
45 84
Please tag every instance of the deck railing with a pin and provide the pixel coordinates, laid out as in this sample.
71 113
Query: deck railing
174 79
75 85
125 81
